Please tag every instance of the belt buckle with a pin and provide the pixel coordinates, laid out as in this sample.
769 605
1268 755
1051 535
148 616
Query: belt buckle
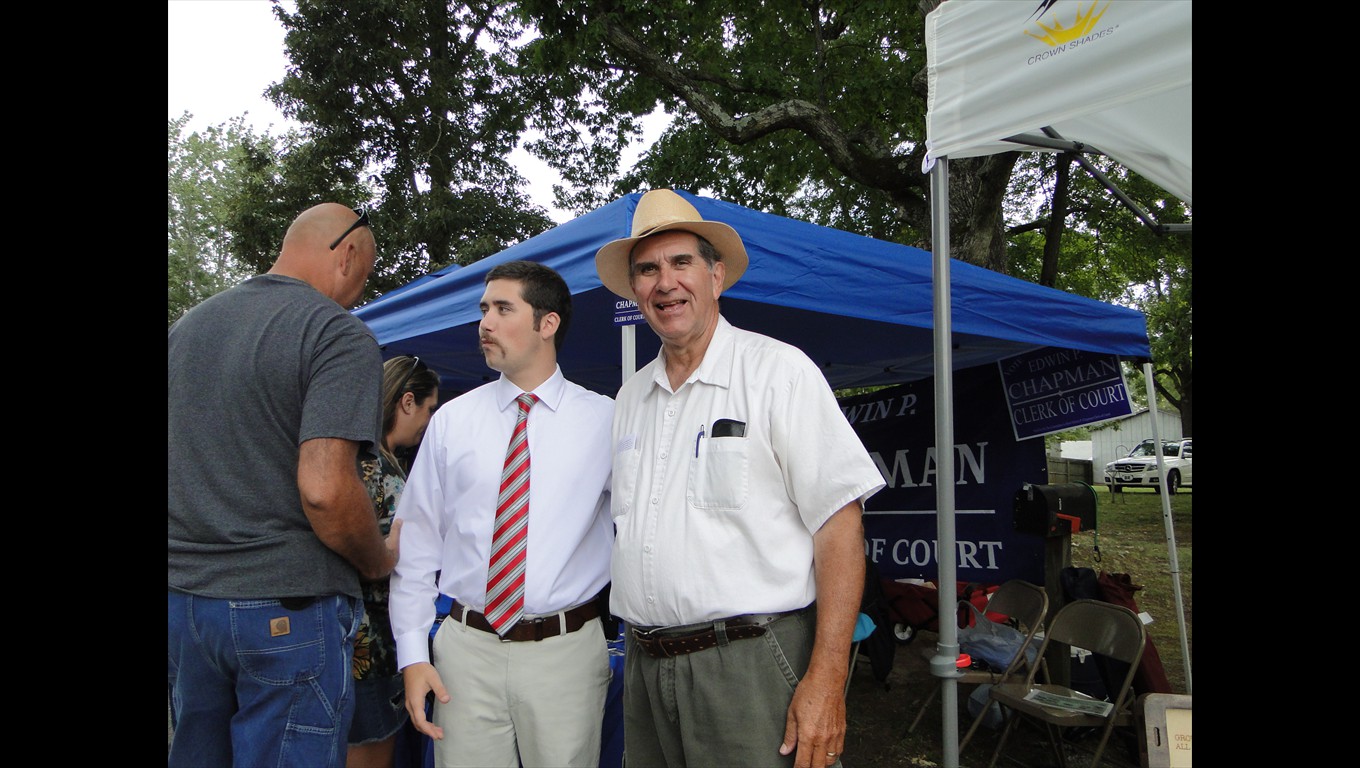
536 633
649 642
657 644
538 627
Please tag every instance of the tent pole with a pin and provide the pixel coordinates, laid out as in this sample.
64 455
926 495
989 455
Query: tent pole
943 664
1170 526
628 354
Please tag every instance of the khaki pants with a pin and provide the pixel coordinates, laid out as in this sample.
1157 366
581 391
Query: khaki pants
547 696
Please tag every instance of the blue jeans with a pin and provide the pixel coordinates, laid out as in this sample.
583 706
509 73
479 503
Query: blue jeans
253 683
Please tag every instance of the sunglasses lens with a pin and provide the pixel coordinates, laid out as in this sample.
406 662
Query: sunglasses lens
362 221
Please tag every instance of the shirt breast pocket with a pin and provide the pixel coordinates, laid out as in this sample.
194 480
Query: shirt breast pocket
719 476
627 460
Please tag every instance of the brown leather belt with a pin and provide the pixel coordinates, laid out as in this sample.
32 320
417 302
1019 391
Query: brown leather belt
530 629
666 642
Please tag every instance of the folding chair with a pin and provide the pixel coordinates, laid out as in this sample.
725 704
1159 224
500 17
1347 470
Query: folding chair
864 626
1018 599
1105 629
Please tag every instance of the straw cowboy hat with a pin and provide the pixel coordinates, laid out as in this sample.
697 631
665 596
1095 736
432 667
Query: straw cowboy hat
661 210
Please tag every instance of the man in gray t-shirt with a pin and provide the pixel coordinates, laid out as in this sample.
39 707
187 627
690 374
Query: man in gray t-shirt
274 396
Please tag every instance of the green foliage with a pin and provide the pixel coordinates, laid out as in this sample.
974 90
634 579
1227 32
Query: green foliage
793 109
1159 274
206 175
421 103
814 111
233 194
1109 254
281 178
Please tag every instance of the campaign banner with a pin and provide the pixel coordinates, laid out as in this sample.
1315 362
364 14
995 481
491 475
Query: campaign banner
897 426
626 312
1050 390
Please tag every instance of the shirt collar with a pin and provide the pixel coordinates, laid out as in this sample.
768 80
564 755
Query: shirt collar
550 392
717 366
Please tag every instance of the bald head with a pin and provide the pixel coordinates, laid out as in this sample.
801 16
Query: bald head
306 254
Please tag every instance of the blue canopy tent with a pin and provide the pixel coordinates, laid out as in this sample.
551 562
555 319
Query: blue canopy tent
860 308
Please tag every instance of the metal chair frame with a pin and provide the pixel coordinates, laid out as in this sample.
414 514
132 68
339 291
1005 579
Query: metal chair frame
1105 629
1021 600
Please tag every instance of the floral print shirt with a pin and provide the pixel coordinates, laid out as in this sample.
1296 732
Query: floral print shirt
375 651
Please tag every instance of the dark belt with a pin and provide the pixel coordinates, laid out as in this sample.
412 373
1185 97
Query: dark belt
530 629
666 642
297 603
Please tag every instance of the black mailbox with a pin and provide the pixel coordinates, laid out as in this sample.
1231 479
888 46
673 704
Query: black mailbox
1055 510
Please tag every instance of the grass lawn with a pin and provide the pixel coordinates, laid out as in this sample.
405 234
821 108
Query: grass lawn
1132 538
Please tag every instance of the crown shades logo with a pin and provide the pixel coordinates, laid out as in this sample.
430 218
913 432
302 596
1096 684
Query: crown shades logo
1056 33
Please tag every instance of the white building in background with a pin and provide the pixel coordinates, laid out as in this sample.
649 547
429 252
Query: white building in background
1114 439
1076 449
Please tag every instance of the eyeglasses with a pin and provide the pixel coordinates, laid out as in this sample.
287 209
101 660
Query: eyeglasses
415 366
362 222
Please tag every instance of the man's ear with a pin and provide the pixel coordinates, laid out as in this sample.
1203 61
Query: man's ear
719 276
347 258
548 325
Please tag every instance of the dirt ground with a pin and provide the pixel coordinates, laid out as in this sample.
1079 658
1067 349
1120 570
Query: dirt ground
877 721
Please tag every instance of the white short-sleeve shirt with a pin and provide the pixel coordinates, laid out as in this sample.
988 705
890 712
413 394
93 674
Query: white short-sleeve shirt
719 486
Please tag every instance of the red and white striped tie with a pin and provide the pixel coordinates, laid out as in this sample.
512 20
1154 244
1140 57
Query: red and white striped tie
505 578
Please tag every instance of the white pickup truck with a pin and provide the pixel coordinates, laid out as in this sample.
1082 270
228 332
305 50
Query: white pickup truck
1139 468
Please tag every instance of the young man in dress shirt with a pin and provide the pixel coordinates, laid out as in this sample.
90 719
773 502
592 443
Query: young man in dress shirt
738 489
535 692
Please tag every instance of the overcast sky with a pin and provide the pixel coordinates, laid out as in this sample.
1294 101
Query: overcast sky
224 53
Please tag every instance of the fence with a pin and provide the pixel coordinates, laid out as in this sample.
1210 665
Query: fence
1061 470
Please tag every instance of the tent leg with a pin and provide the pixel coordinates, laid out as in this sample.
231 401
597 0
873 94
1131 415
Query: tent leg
944 445
1170 525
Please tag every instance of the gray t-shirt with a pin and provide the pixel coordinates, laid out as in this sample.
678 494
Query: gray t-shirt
254 372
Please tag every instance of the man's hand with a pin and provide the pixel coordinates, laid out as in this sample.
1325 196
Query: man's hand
815 725
420 679
816 722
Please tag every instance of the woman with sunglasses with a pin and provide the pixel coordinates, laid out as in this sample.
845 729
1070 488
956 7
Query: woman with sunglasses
410 397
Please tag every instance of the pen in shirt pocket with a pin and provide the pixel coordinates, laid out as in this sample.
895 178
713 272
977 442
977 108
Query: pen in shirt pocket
697 438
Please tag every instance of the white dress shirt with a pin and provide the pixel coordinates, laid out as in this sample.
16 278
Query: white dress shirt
449 506
708 527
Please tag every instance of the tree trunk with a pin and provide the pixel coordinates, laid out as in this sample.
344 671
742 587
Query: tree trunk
1057 220
977 186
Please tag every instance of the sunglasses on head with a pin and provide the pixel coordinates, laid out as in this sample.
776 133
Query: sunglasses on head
362 222
415 366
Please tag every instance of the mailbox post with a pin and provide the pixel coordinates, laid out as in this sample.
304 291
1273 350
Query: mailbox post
1055 512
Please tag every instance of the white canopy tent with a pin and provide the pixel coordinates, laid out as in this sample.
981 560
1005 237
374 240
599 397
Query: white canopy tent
1112 76
1104 77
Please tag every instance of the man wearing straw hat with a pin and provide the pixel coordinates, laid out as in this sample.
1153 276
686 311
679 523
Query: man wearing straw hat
738 485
